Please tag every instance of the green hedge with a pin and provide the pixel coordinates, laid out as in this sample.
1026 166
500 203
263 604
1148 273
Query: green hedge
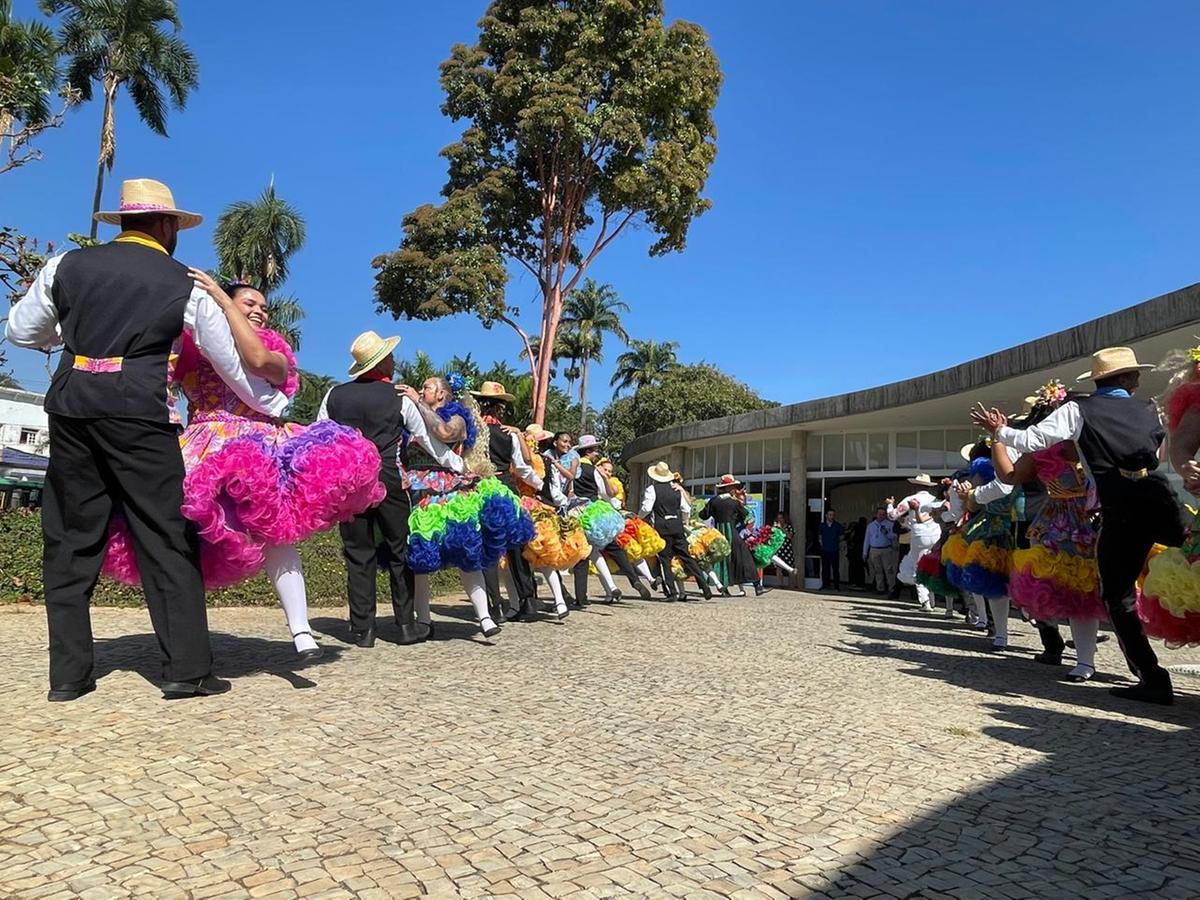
324 573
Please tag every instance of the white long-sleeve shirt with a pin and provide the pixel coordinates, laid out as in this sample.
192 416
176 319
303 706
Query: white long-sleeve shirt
927 504
648 498
33 323
996 489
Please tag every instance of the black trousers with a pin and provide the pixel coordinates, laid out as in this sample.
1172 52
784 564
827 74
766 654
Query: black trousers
677 546
621 560
1136 515
362 559
98 466
522 574
831 570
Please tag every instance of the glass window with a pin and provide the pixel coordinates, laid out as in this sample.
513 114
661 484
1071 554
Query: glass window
738 465
695 467
754 458
856 452
877 451
955 438
773 499
720 455
710 462
773 458
933 451
831 452
906 450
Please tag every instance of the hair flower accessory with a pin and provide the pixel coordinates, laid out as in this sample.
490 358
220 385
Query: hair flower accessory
457 383
1052 393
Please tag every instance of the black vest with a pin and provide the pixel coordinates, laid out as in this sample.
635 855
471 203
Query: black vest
725 510
667 510
500 451
375 409
1119 433
117 301
585 481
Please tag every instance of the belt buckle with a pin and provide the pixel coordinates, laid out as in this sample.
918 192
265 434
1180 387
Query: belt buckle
1134 474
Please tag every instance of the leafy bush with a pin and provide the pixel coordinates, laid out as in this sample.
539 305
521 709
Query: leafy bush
324 573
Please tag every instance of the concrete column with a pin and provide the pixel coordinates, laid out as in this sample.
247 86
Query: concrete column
677 458
636 485
798 500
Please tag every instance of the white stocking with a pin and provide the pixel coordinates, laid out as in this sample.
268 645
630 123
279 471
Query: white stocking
421 598
1083 633
999 607
477 593
283 567
715 581
643 569
555 583
779 563
606 578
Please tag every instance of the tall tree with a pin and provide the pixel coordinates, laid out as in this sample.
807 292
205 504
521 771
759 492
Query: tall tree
126 43
255 239
583 117
284 317
593 311
28 78
643 364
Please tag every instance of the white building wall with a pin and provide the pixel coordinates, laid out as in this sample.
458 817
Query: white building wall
23 421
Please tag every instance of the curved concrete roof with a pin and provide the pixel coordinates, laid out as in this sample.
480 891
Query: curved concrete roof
1164 314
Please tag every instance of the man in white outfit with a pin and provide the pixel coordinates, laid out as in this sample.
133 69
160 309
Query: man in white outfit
918 513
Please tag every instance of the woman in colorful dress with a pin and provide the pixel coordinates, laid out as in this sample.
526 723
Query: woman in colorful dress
463 517
255 487
978 559
1169 602
559 542
1056 578
729 515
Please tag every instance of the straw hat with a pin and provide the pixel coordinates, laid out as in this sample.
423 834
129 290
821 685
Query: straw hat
661 472
536 432
965 452
587 442
492 390
727 481
144 195
368 350
923 480
1112 361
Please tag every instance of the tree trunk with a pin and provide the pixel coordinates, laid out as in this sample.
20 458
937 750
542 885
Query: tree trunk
583 408
552 312
107 151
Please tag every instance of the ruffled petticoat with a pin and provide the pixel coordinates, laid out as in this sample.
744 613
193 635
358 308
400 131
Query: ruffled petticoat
931 573
600 523
468 528
558 541
705 545
764 543
251 484
1169 601
639 540
979 558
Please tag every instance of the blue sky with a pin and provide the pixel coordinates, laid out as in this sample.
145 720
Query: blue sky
887 172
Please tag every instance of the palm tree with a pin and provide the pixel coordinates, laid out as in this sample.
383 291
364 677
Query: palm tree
592 311
643 364
500 371
284 316
255 240
415 373
122 42
28 71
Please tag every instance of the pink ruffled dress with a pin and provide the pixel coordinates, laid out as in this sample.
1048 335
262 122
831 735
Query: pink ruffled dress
1169 601
252 482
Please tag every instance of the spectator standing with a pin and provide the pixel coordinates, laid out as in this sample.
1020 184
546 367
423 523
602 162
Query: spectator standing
832 533
879 552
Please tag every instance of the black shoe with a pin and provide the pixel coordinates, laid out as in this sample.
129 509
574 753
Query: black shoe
725 592
309 652
430 626
562 615
67 694
614 597
529 611
414 634
657 584
1049 659
1163 695
489 631
759 591
363 638
669 598
643 589
199 687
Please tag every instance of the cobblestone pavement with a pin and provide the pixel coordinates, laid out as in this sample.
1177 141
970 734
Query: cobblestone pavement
795 745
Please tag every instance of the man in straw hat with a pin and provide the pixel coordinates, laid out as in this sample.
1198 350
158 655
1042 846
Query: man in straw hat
667 508
370 403
1118 437
918 512
508 454
119 310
